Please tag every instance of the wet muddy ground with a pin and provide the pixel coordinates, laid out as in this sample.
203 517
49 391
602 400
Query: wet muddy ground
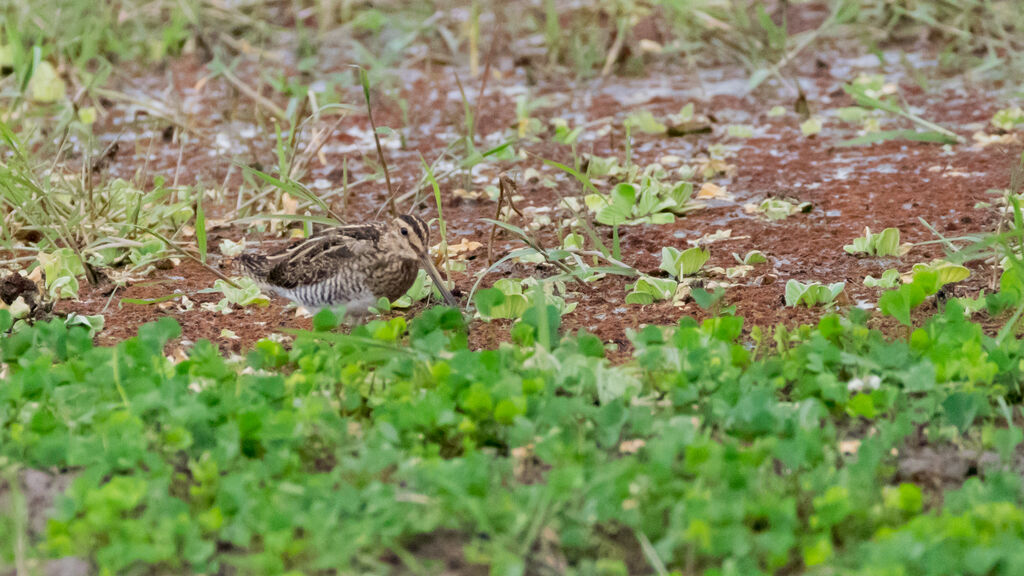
175 123
207 129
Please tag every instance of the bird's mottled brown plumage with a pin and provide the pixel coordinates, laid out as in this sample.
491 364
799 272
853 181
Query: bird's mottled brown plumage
349 265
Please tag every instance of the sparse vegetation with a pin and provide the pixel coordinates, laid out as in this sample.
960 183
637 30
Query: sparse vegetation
627 200
885 243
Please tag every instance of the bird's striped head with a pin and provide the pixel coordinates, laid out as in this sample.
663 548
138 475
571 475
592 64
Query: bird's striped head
412 233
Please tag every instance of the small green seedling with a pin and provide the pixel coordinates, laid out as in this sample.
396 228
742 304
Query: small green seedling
93 323
685 114
46 84
680 266
652 202
751 258
712 301
972 306
852 114
812 293
924 281
900 302
144 254
778 208
247 294
739 131
946 272
509 299
645 121
885 243
744 266
648 289
526 126
685 263
679 124
1008 119
62 268
563 133
889 279
609 168
230 249
812 126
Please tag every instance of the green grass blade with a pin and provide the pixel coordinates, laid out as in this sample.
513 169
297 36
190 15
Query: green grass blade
201 226
912 135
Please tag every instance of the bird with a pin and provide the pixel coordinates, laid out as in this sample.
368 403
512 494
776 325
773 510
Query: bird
351 266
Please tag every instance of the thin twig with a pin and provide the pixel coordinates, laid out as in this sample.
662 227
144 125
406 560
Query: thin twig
506 188
253 95
483 81
776 69
471 129
616 49
376 139
316 143
601 256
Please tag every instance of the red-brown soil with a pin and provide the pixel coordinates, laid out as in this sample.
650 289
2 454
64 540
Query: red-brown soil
895 183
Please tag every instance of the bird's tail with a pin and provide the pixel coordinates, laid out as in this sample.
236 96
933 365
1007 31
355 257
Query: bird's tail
257 266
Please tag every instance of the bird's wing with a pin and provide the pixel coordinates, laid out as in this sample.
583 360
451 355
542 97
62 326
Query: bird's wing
321 256
361 238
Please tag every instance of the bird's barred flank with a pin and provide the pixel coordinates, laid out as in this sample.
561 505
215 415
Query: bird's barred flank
349 265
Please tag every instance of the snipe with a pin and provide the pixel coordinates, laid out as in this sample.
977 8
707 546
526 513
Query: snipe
349 265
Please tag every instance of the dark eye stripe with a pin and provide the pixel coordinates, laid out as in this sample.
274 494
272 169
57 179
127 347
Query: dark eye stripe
422 230
409 220
418 226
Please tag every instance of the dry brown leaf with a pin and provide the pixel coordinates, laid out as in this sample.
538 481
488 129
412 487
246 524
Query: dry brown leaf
463 194
849 447
710 190
289 205
981 139
632 446
463 249
682 295
212 223
716 236
521 456
711 167
650 47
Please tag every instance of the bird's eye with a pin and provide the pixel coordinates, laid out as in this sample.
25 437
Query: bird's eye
405 231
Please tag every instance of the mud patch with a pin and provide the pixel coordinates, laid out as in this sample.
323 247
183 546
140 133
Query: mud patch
14 286
913 186
937 468
440 552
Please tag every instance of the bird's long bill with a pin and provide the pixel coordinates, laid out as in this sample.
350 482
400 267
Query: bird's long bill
432 271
